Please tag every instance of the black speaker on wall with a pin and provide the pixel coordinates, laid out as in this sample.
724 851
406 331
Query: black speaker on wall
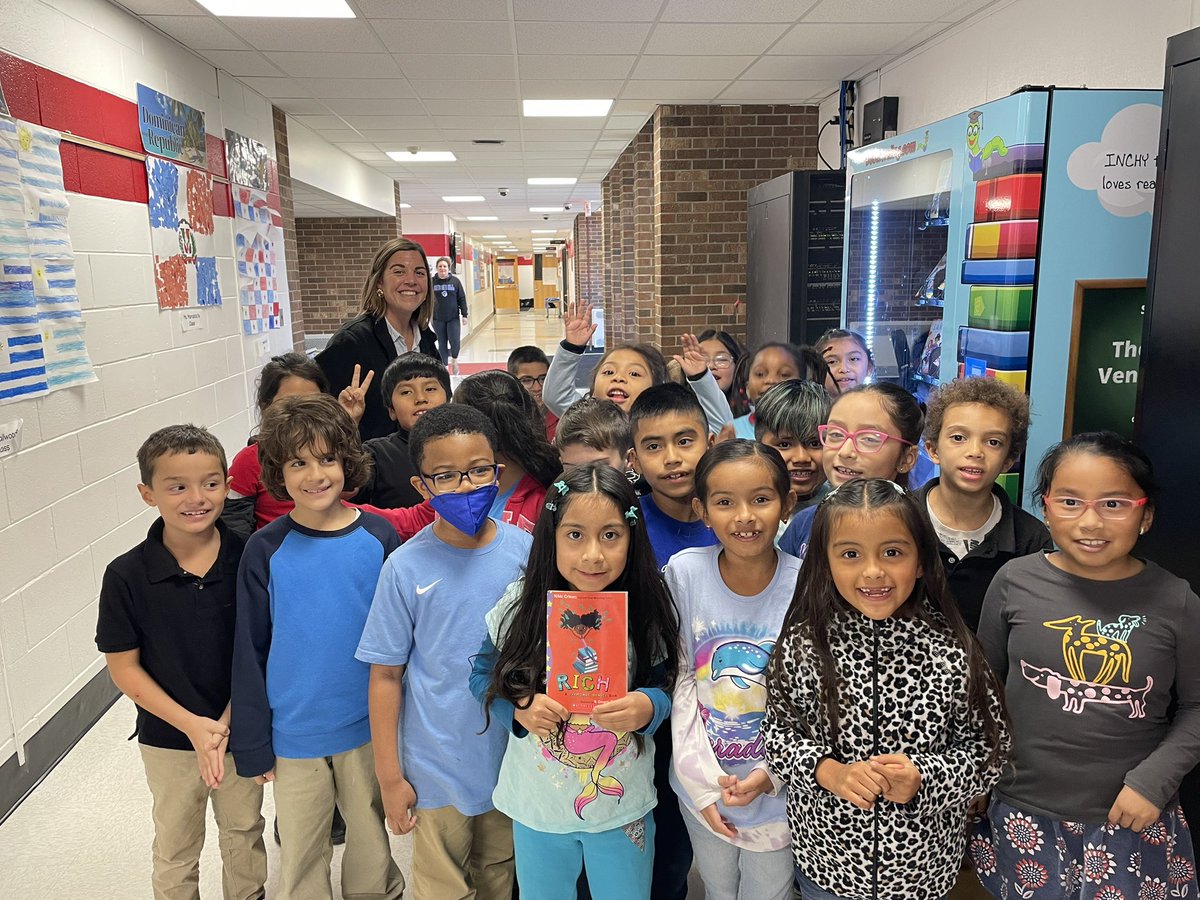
880 118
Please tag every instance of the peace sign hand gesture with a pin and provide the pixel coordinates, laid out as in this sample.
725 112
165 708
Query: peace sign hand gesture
353 398
577 324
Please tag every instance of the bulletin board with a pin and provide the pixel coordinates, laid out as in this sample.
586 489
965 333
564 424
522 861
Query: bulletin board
1105 354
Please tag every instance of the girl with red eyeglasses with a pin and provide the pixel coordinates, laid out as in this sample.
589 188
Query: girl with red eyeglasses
872 432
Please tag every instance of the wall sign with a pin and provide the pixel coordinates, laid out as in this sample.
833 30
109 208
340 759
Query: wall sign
1106 339
171 129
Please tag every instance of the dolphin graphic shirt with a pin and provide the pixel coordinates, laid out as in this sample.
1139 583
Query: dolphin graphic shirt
1088 668
720 690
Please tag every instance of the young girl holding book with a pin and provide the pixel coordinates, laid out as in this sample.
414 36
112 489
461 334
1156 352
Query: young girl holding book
732 599
1094 645
577 787
883 717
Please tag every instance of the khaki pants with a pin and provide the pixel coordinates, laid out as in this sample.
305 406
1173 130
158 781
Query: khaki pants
305 793
457 857
180 809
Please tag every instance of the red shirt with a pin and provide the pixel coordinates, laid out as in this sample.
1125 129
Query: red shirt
247 481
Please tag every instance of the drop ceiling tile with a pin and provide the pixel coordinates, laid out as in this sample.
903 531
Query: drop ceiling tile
382 122
673 91
444 38
339 134
777 91
242 62
469 132
302 107
680 39
884 11
792 68
499 89
429 67
611 145
461 10
400 106
276 88
199 32
561 89
633 122
676 67
350 35
586 10
568 146
583 38
336 65
400 138
480 124
855 40
146 8
545 66
633 107
319 122
357 88
745 11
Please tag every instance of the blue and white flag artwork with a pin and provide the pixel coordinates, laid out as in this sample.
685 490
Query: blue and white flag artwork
42 344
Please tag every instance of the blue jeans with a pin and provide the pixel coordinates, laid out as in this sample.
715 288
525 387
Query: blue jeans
732 873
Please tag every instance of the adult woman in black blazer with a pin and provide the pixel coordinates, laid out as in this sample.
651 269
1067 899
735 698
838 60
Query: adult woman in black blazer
397 304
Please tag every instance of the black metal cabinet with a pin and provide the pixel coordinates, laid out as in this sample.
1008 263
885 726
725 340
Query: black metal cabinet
794 256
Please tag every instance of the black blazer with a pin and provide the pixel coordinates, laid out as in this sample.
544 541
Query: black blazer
365 340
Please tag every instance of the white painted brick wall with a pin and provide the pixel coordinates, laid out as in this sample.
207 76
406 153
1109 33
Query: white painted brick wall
70 503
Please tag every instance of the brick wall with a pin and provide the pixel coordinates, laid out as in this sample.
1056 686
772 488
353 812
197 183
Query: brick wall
334 257
676 201
589 267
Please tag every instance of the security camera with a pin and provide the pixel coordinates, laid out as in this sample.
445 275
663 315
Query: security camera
545 218
503 192
566 206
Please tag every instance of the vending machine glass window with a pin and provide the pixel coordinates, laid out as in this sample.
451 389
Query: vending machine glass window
896 266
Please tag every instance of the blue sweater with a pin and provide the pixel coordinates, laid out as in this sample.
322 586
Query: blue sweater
303 598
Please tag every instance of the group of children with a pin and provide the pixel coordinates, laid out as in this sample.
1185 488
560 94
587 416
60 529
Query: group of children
808 705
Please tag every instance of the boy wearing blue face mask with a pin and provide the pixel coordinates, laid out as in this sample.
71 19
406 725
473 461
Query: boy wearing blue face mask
436 759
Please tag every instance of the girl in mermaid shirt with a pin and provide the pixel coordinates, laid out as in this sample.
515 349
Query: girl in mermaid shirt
577 787
732 599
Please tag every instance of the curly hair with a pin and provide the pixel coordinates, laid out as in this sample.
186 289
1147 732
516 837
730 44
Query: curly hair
988 392
316 422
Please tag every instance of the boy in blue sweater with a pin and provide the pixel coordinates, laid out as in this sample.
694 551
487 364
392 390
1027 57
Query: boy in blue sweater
436 758
299 696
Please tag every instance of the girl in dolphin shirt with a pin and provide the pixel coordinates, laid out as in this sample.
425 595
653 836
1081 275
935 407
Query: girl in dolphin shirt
732 599
581 788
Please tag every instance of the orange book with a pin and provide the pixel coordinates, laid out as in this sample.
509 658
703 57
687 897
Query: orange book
587 648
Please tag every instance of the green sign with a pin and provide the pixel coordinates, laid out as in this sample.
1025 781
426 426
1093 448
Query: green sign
1106 346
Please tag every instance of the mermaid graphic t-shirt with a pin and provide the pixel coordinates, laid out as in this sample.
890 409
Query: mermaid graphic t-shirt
1088 669
720 691
584 778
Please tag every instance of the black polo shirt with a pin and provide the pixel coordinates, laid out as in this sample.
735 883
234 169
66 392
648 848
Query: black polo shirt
181 624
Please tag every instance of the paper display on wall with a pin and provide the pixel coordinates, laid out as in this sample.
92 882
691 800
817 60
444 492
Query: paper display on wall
42 345
247 161
181 235
257 234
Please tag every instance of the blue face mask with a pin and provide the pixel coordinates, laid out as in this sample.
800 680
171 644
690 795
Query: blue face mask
469 511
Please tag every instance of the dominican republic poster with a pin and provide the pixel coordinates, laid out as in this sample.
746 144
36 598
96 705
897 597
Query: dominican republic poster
587 648
181 235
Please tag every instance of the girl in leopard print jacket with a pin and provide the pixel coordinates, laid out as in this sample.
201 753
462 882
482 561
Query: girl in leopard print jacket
883 717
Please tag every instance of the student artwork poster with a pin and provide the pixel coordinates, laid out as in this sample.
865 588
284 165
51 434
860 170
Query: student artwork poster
587 648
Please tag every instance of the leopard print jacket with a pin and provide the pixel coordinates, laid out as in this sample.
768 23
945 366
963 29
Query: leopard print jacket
903 690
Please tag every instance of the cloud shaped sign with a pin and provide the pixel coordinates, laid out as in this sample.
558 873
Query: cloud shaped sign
1121 166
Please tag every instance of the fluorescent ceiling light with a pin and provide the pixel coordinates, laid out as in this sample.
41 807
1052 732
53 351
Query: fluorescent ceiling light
492 237
482 218
476 198
551 180
290 9
545 209
543 231
574 108
406 206
404 156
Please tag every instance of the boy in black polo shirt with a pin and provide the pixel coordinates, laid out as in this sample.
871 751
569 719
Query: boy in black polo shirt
412 384
975 429
166 630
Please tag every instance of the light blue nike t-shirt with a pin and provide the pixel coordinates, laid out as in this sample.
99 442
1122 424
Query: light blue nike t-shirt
428 615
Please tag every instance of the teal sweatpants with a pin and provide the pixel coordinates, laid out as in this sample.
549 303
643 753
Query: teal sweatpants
620 861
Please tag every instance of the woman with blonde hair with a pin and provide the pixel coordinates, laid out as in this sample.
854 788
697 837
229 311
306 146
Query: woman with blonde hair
397 304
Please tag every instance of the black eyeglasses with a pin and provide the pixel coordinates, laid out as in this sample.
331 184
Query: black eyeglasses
528 381
445 482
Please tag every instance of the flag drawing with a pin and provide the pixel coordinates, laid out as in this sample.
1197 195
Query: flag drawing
255 241
22 353
181 235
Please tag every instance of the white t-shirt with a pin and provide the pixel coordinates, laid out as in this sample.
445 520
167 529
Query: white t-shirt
963 542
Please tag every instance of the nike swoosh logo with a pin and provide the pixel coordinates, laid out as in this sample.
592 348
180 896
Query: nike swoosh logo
428 587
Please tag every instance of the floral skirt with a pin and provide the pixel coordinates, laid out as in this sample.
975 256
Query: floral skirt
1022 854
